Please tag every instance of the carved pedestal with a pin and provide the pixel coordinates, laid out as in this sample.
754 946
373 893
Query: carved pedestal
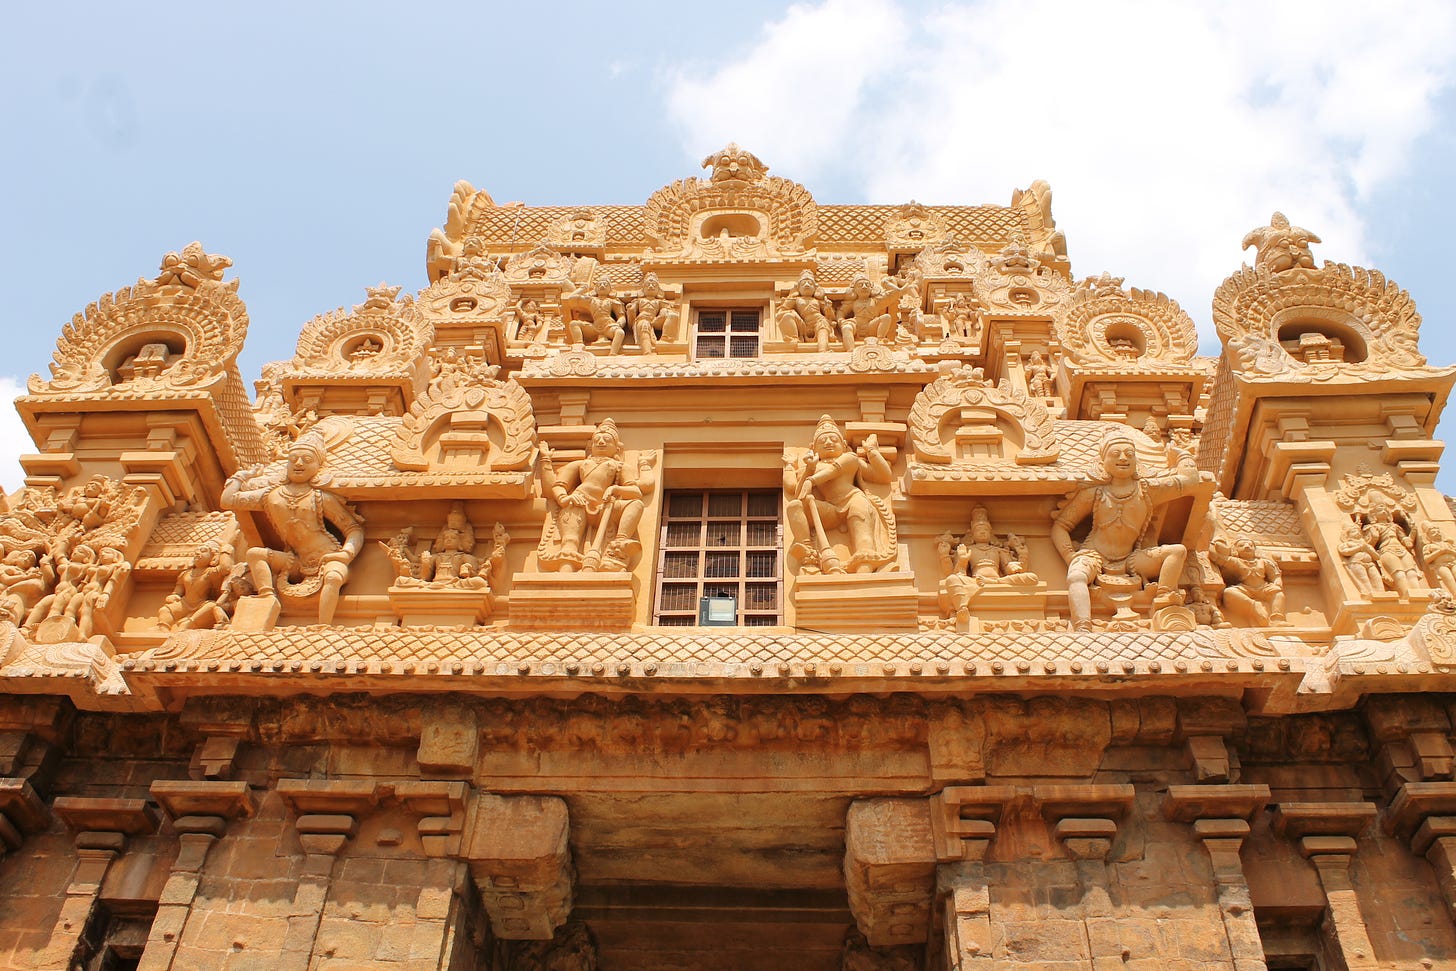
857 602
572 601
256 613
440 607
996 603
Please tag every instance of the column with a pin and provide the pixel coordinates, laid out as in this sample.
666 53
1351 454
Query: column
1326 834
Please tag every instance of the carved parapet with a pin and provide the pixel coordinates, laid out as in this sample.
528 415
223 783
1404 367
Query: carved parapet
857 602
889 869
516 847
441 607
573 601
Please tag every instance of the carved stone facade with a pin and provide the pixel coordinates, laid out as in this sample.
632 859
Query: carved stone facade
736 581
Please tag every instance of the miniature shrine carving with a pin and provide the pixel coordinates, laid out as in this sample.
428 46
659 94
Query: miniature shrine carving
467 420
825 496
806 315
596 503
313 560
959 419
1116 553
978 561
1254 591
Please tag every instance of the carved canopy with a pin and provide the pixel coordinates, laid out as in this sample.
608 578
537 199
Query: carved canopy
493 419
383 335
182 330
1105 325
940 409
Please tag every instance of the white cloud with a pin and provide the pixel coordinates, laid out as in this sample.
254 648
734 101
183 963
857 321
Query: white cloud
14 439
1166 130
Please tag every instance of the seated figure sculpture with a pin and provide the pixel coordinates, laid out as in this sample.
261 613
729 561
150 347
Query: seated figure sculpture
824 493
1254 595
450 559
598 495
868 312
606 316
806 314
300 512
1121 508
979 561
193 605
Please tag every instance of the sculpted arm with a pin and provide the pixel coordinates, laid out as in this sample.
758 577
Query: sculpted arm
234 496
1183 477
1076 510
873 466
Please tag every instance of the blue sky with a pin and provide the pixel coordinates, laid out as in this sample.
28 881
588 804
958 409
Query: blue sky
316 144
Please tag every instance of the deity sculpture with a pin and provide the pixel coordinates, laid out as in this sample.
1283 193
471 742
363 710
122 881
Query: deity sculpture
599 494
963 317
824 493
1438 553
653 315
450 560
1360 560
301 512
1394 548
530 321
867 312
607 317
1280 246
1254 595
85 583
979 561
1121 507
193 604
806 314
1040 380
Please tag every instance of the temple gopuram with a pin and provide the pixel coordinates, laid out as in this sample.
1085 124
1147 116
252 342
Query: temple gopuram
735 581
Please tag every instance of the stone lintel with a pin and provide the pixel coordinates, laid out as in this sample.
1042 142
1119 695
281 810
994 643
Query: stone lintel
326 796
1185 804
1058 802
21 806
1414 802
223 799
1298 820
89 814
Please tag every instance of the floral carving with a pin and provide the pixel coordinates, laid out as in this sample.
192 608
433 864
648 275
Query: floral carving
182 330
963 387
466 397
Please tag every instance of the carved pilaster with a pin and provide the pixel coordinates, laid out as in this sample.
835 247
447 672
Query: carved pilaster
1326 834
200 812
964 820
1219 814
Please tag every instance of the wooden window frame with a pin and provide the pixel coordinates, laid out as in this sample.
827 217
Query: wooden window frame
674 553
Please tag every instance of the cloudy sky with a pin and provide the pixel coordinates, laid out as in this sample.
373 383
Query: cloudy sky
316 144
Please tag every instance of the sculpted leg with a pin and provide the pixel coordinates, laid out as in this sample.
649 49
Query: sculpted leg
1171 571
1079 597
846 334
628 513
334 576
262 573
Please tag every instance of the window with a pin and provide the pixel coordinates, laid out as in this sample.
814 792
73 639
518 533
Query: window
720 544
727 333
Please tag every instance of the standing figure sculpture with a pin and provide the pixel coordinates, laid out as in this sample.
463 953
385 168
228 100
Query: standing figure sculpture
1360 560
1122 509
301 513
1438 553
530 321
1254 595
806 314
979 561
1393 548
607 317
824 493
193 605
1039 378
653 315
25 577
599 494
